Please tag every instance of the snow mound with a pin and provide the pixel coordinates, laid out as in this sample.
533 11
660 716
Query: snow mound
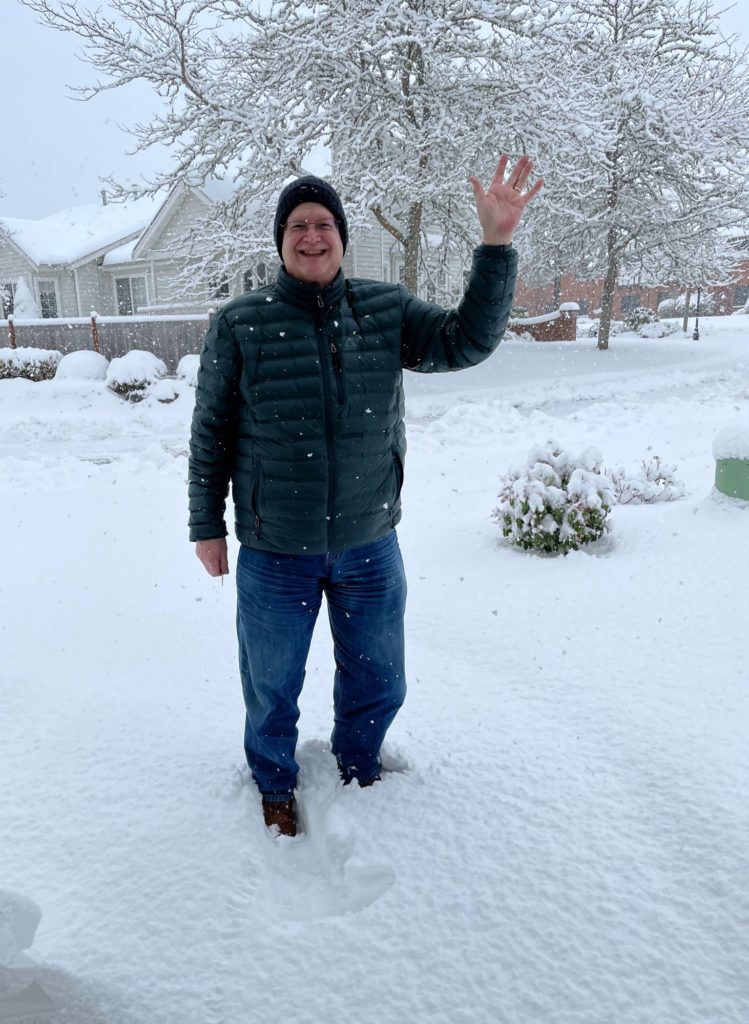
19 919
187 370
732 442
84 365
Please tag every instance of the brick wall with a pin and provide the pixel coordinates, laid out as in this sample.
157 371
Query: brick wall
589 295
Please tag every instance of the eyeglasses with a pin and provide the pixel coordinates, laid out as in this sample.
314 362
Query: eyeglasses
298 228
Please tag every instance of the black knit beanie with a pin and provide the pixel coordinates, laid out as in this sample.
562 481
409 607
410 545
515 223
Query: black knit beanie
309 190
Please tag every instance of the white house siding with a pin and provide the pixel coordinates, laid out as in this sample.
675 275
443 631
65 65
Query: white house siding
93 293
371 249
189 212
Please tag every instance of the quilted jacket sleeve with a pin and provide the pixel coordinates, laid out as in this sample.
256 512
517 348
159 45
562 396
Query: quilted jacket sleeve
212 440
434 339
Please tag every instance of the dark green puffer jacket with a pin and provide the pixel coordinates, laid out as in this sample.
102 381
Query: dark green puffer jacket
299 402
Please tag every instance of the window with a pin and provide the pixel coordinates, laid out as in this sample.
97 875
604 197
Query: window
47 298
131 293
629 302
257 277
740 295
7 291
218 288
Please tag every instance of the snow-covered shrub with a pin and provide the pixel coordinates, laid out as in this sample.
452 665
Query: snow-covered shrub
667 307
636 318
659 329
653 482
187 369
31 363
25 306
707 304
590 329
165 390
83 365
557 502
130 375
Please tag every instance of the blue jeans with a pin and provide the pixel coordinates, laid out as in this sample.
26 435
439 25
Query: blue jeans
278 599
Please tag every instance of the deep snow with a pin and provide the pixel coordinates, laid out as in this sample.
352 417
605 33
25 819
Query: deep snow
564 837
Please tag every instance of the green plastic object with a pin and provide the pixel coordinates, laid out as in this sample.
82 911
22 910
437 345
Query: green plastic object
732 477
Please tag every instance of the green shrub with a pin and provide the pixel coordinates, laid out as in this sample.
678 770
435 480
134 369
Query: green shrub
556 503
31 363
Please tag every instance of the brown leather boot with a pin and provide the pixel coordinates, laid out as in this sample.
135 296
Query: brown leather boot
281 814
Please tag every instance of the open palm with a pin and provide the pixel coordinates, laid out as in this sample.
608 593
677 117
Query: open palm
501 206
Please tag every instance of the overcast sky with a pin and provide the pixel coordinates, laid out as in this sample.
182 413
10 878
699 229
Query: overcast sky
54 148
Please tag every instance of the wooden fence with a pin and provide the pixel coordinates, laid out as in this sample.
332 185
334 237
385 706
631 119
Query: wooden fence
168 337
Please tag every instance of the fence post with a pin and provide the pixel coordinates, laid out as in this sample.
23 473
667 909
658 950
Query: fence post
94 330
11 331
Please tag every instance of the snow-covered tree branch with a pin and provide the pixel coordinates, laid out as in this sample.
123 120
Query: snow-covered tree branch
410 98
656 100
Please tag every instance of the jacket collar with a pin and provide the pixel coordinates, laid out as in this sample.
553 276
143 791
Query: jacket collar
309 296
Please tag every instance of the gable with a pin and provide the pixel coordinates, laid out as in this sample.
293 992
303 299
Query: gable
184 210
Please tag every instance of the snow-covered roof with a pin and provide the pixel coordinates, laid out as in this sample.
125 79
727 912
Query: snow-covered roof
122 254
80 231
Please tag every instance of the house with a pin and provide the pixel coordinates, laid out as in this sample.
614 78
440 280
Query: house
62 257
121 259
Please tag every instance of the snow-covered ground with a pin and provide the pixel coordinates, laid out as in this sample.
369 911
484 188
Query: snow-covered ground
564 838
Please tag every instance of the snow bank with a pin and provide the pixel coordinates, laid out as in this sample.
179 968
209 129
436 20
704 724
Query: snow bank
732 442
85 365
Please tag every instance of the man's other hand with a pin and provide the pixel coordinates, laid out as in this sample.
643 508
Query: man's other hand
214 556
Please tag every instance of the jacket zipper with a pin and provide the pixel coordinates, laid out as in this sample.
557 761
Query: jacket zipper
328 406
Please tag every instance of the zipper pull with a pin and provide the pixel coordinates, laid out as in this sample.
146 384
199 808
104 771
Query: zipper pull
320 302
333 349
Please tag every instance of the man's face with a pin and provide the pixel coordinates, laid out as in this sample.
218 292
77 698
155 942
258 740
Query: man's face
311 247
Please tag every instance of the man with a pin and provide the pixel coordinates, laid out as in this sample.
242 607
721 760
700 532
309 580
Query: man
299 406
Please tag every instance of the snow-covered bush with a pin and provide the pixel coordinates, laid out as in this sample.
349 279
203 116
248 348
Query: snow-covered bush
25 306
31 363
589 329
187 369
659 329
557 502
83 365
707 304
165 390
130 375
653 482
667 307
636 318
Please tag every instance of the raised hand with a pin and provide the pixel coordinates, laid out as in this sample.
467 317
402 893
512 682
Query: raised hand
501 206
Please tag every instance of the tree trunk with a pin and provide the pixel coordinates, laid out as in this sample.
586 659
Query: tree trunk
412 243
609 284
687 303
557 291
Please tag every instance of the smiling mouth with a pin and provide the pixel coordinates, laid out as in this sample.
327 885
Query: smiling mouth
313 252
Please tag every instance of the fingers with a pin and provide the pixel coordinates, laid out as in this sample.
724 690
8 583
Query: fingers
499 174
534 190
478 190
517 179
